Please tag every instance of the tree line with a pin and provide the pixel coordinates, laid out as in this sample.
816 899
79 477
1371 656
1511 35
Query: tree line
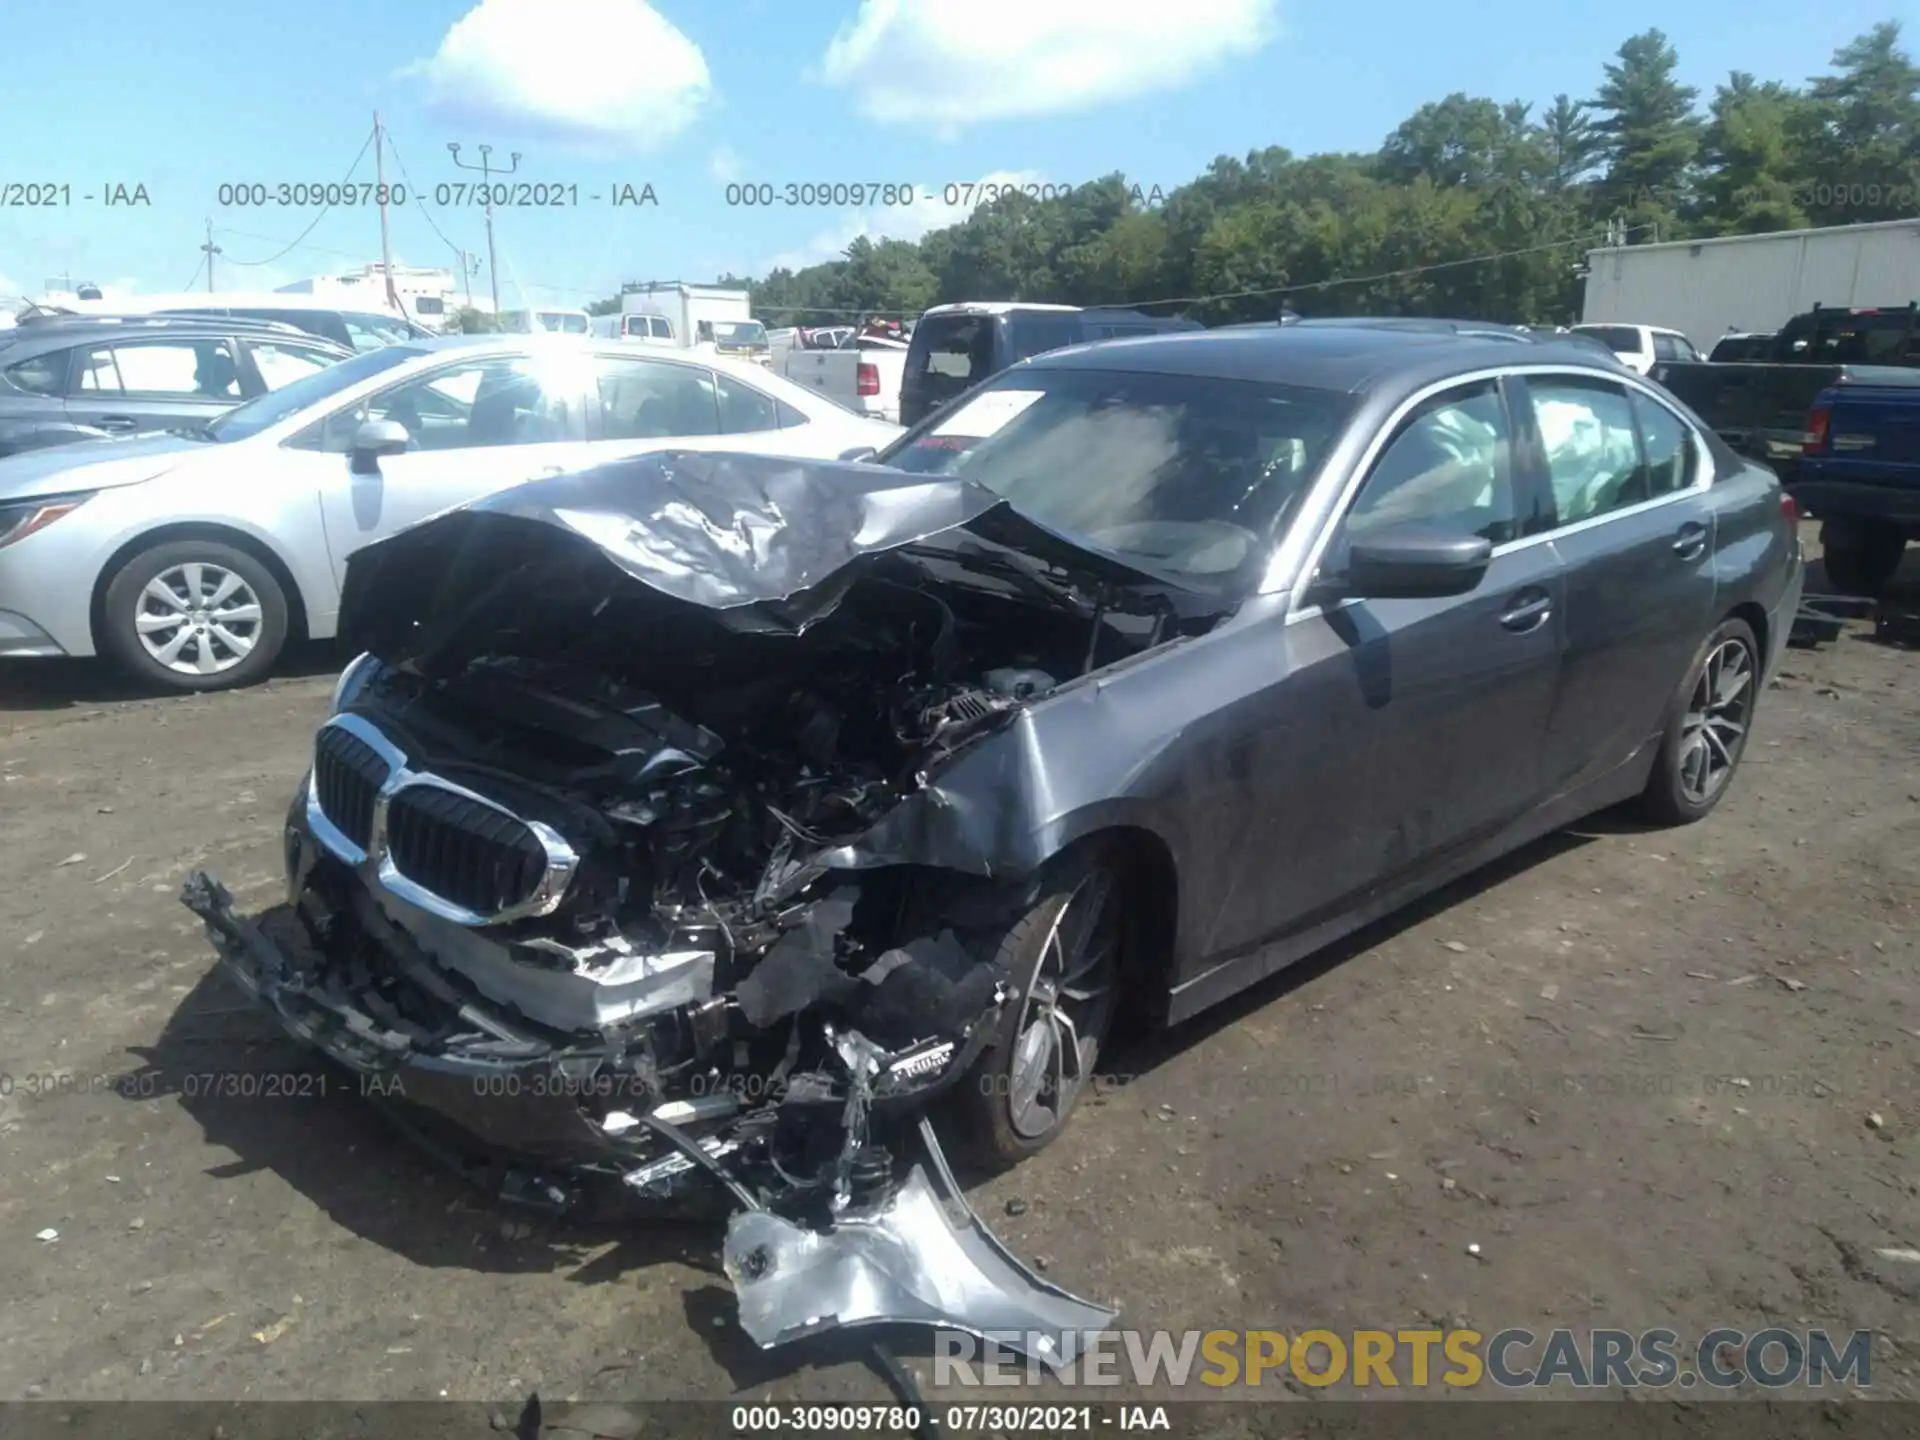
1472 207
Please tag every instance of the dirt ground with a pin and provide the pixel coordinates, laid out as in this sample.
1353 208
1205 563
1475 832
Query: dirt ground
1657 1078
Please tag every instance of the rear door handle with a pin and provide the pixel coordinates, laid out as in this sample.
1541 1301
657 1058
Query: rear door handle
1527 611
116 422
1691 540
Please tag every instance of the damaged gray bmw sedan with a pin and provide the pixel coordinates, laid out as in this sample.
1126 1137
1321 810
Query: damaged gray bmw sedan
697 822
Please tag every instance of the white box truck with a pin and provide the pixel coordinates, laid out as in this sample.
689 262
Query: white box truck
703 317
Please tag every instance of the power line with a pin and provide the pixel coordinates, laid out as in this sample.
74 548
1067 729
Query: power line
191 279
274 240
324 212
1242 294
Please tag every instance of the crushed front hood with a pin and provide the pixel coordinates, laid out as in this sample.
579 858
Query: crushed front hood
759 540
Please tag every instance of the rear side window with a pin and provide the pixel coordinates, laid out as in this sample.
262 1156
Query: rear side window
1667 445
1030 335
280 363
790 418
743 409
42 375
655 400
1591 437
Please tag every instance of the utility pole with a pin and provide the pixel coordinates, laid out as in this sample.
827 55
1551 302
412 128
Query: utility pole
212 250
487 172
380 194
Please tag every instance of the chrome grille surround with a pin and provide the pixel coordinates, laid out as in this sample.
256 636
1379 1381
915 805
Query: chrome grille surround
375 862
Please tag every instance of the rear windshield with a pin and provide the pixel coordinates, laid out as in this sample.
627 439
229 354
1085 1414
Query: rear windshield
1621 339
1745 347
949 355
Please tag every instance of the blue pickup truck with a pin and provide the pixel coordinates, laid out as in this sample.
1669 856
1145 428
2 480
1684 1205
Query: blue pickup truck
1859 475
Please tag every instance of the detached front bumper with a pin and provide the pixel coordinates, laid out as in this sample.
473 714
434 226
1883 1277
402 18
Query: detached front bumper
886 1250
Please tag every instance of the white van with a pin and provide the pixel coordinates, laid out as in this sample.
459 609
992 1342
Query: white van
634 326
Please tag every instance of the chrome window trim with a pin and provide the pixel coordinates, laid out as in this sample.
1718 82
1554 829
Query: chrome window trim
375 863
1333 494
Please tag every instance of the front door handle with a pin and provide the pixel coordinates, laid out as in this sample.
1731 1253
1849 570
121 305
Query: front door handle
1691 542
1527 611
115 422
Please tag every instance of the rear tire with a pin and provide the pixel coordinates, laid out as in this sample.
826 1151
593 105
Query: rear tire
1064 956
1861 559
1712 715
194 615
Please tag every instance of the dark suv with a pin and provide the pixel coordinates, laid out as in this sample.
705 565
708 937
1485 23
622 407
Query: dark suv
956 347
68 378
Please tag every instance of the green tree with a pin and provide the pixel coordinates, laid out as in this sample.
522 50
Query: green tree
1648 135
1866 133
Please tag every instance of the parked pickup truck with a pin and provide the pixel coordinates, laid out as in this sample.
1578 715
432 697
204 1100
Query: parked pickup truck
863 374
1759 407
1859 475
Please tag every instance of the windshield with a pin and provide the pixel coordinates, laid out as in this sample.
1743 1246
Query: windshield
740 332
1188 475
245 421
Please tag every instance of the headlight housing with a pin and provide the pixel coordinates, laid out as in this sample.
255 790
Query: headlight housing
21 518
352 681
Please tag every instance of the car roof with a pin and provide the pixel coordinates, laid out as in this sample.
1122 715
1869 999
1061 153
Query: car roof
995 307
1324 357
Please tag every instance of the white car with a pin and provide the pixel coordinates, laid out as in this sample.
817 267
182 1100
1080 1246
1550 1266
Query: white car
191 557
1641 347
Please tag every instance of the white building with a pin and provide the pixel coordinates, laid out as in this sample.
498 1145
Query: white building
1706 288
427 293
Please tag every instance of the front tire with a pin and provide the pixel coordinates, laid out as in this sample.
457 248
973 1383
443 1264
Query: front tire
1707 735
194 615
1064 957
1861 559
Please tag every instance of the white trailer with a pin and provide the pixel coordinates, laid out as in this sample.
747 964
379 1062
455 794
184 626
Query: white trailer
703 316
1708 288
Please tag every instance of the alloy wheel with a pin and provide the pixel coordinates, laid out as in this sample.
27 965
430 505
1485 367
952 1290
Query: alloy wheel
1715 725
198 618
1064 1010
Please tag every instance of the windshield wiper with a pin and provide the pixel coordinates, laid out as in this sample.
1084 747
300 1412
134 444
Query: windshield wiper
1030 576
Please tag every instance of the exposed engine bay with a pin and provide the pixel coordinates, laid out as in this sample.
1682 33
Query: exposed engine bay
585 858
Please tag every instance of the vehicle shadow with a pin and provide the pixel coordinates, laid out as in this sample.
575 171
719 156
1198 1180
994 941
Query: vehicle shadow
281 1107
1139 1051
65 684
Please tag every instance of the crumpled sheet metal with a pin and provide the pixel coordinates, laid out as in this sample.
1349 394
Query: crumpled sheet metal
910 1263
716 530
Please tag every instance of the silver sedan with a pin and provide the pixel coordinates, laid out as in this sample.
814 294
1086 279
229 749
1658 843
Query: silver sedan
191 558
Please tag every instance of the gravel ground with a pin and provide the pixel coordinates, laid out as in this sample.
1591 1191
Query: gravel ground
1657 1078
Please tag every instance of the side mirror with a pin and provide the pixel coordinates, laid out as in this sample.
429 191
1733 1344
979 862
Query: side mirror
858 454
1410 563
374 439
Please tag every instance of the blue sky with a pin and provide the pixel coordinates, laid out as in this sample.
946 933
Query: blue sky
184 96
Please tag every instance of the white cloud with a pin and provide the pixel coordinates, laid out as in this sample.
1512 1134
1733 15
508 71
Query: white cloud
724 165
609 75
928 213
954 62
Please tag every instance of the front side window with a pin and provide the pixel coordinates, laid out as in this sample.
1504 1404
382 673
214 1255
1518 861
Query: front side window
264 411
506 400
173 369
1449 466
1185 475
1591 439
655 400
281 364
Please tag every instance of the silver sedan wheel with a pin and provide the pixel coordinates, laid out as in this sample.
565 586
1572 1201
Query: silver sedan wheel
1715 725
198 618
1064 1009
